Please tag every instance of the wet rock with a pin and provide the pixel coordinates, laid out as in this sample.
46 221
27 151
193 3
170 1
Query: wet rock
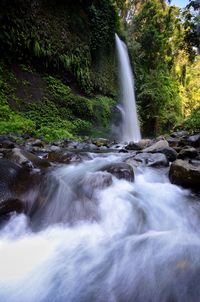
131 161
195 162
173 142
120 170
123 151
6 144
180 134
12 205
8 175
187 152
169 152
194 140
95 181
99 142
155 147
55 148
66 157
133 146
152 159
26 159
145 143
185 174
38 143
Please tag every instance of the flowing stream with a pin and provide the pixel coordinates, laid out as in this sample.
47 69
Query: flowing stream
130 124
102 239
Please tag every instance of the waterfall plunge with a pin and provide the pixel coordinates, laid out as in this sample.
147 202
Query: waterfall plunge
130 125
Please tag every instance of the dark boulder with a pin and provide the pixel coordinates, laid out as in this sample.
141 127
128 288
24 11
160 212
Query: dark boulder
120 170
173 141
187 152
133 146
64 157
169 152
38 143
8 175
7 144
26 159
11 205
185 174
194 140
180 134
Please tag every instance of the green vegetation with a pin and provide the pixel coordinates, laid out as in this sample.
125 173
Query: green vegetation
69 37
58 68
192 123
165 65
57 113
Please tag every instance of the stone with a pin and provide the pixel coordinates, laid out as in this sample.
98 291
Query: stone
120 171
27 159
187 152
123 151
180 134
11 205
6 144
173 141
8 175
185 174
144 143
38 143
152 159
95 181
133 146
131 161
169 152
159 145
99 142
194 140
55 148
64 157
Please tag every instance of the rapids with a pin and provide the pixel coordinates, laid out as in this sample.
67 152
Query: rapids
124 241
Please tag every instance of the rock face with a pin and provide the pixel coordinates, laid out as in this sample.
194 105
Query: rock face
185 174
120 170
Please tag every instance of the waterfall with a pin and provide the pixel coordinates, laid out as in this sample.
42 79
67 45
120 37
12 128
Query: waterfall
130 125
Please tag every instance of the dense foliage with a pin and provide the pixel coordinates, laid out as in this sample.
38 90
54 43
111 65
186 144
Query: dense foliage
44 106
163 60
58 66
68 36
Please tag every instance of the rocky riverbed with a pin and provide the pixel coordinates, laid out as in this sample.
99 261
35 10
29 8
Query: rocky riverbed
25 164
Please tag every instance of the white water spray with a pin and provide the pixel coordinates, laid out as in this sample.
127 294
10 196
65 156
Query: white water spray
130 126
142 245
